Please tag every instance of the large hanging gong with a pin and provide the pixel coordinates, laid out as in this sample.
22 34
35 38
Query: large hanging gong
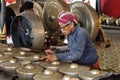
50 13
28 31
13 10
14 7
38 10
87 16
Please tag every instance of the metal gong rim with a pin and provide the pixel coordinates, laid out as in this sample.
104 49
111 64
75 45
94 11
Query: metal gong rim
93 74
38 10
12 9
29 68
68 70
2 13
36 27
15 8
53 65
87 17
51 10
48 75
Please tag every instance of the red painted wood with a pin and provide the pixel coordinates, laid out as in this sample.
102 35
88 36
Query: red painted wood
111 7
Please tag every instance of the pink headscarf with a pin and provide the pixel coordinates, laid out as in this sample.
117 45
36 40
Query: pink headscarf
65 17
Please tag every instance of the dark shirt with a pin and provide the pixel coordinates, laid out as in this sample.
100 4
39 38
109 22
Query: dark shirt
25 33
81 48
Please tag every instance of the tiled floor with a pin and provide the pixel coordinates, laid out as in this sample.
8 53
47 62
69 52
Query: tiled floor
110 57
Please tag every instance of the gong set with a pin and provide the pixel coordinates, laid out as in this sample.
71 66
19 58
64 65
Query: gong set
31 66
41 23
111 21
